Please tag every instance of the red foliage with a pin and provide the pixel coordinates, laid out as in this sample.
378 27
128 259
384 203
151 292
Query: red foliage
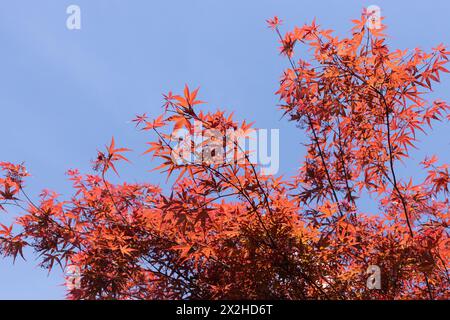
227 232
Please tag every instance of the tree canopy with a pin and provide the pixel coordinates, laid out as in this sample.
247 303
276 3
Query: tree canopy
227 231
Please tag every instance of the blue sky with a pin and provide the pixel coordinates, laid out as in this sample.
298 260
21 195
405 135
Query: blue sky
64 93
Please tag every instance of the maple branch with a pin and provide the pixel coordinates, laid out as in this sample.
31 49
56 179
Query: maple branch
186 282
242 191
346 174
316 140
391 160
391 164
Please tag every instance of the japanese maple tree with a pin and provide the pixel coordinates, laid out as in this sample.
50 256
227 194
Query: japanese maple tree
227 231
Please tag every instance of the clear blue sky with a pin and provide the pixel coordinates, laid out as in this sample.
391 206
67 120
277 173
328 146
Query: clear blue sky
63 93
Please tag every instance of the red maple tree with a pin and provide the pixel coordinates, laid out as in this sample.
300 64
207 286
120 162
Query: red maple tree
225 231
